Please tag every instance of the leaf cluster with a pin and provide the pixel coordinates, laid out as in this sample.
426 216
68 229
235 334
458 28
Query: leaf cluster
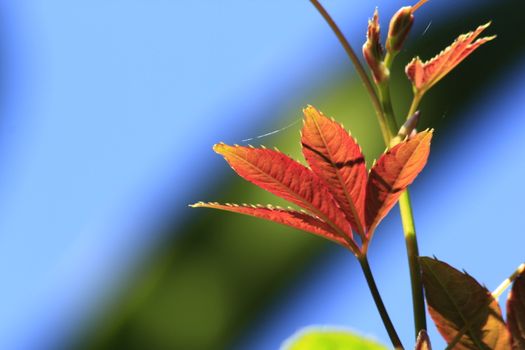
337 194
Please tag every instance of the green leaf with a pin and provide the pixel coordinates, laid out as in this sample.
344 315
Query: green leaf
321 338
466 314
516 311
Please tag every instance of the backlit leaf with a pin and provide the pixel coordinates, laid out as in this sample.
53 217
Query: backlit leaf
277 173
337 160
516 312
317 338
464 311
391 175
289 217
424 75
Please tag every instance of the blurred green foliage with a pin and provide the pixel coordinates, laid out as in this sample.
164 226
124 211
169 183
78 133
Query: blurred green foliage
209 279
326 339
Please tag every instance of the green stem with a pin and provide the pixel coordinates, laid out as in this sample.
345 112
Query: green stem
358 67
409 229
415 103
394 338
389 58
386 103
405 208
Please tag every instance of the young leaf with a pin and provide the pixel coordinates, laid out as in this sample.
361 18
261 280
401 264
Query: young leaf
321 338
279 174
391 175
516 312
288 217
336 159
424 75
423 342
465 312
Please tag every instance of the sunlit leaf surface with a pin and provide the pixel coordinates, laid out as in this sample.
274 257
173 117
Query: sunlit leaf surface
337 159
391 175
326 339
289 217
424 75
284 177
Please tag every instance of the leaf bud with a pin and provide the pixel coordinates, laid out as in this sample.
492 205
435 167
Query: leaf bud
373 51
400 26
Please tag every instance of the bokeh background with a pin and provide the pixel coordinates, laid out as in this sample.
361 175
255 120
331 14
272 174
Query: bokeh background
109 109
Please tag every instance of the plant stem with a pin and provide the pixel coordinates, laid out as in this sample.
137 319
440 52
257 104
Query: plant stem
407 215
409 229
505 284
394 338
389 58
415 103
386 103
358 67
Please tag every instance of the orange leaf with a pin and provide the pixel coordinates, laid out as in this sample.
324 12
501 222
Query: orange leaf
424 75
279 174
391 175
516 312
288 217
337 160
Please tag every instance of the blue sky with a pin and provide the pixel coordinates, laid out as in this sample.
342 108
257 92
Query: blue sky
105 107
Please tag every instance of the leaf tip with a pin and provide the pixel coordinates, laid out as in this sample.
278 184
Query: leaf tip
220 147
199 204
308 109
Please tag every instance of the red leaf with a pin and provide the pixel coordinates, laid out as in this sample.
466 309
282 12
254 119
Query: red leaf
425 74
337 160
516 312
288 217
391 175
279 174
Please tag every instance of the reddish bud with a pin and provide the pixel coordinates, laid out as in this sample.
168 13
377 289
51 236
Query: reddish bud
400 26
373 51
407 130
